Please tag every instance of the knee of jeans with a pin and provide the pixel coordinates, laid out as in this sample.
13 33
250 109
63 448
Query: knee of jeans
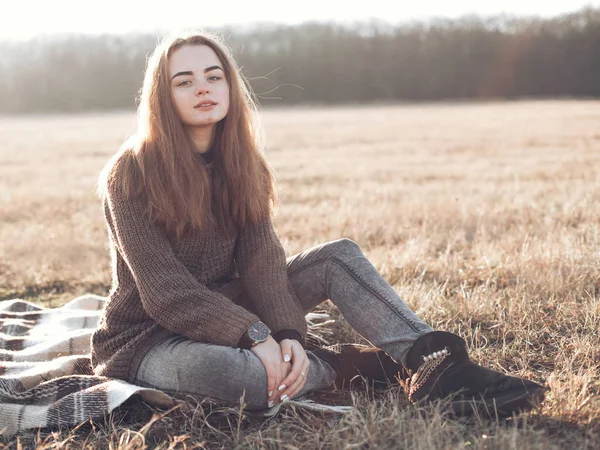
239 373
344 247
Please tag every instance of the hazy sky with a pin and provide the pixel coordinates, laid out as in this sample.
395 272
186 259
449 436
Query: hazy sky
22 19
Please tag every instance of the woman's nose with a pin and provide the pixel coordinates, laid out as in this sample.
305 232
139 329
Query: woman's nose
202 90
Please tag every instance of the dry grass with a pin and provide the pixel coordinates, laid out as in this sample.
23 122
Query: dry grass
485 218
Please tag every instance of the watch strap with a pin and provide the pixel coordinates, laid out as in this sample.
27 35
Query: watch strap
245 342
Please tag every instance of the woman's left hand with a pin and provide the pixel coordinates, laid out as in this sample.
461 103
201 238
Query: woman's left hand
296 379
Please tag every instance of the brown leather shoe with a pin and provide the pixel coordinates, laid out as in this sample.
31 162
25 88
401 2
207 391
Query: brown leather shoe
355 362
440 367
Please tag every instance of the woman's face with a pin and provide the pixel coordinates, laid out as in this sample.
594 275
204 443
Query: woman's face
199 89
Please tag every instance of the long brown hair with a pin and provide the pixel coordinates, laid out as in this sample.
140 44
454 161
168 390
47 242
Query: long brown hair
159 162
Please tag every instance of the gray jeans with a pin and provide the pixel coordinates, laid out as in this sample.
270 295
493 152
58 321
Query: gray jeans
335 270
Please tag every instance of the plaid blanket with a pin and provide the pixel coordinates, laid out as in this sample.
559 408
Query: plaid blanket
46 378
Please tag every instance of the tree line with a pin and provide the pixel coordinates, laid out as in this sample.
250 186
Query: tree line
321 63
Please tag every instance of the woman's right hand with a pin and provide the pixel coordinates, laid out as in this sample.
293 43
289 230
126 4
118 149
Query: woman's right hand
269 353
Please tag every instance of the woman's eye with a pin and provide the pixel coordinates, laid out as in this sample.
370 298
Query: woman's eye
184 83
214 78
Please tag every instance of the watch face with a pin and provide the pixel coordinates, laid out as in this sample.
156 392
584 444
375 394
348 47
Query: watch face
258 332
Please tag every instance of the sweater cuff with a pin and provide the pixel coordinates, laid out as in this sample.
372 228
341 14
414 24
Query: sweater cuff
288 334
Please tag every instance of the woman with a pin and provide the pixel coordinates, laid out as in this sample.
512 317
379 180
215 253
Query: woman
204 302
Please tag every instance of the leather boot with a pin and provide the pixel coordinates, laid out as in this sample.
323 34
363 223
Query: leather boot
353 362
440 367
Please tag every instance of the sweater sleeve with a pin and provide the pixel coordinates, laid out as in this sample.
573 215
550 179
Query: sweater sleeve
262 267
169 293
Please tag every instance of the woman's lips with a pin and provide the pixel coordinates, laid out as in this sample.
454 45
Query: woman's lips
205 105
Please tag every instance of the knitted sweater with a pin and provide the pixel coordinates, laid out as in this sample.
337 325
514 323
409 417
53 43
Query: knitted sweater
205 285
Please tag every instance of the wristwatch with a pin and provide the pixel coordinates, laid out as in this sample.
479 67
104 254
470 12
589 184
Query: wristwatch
257 333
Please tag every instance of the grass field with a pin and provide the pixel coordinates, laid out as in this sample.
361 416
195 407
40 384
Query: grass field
484 217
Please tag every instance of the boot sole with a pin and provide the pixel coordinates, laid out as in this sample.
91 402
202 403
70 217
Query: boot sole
501 406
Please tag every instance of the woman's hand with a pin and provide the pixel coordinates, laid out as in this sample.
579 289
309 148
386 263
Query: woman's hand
291 350
270 355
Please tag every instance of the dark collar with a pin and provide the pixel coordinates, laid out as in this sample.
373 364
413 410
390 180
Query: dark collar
208 155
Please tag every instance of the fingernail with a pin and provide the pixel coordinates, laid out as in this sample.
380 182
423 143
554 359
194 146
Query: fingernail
270 393
284 398
281 388
271 404
286 358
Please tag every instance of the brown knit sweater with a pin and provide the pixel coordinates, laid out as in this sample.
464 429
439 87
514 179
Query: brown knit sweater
203 286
